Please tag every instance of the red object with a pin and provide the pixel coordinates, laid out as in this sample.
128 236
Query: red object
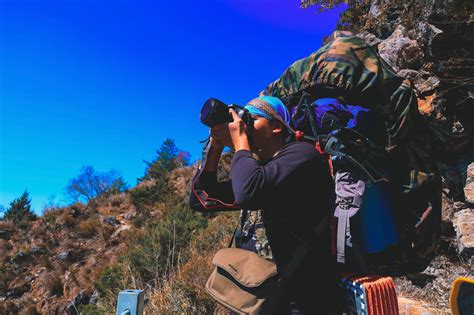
299 135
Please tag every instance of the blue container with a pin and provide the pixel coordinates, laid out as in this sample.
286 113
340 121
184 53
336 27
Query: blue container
130 302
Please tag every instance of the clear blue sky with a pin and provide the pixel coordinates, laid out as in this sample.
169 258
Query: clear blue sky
103 83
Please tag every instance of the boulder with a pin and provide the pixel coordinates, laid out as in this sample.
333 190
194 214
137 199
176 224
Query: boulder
64 255
81 298
35 250
5 235
412 307
71 310
463 223
20 257
94 298
120 230
18 291
369 38
401 52
469 186
111 220
129 215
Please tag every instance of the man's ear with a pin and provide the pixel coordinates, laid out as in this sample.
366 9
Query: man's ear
277 127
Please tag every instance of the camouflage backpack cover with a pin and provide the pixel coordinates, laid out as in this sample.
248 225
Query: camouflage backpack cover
352 71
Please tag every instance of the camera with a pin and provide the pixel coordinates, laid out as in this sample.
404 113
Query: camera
215 112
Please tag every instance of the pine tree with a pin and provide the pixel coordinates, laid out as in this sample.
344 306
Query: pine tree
168 157
19 211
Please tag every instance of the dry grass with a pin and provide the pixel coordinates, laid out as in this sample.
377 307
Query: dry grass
432 286
89 227
183 291
5 246
66 219
180 179
54 284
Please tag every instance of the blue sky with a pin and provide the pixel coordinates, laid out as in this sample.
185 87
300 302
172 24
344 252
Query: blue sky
104 83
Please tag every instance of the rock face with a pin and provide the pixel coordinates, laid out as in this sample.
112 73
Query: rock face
463 223
469 187
401 52
431 43
411 307
4 234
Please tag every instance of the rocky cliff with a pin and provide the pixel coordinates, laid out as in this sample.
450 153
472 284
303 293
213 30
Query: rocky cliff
431 42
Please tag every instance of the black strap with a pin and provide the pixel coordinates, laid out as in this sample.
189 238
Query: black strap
243 217
233 235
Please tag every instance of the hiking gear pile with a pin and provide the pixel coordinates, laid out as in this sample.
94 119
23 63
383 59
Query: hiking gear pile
353 106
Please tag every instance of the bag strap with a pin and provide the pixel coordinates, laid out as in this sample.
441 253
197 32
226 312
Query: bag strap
233 235
240 223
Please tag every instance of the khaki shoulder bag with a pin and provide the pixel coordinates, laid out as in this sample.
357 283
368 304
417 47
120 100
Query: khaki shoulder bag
246 283
242 281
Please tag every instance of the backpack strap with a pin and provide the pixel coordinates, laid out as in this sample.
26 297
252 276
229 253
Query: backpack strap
343 235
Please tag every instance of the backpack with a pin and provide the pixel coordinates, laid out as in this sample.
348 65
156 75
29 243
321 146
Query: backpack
388 186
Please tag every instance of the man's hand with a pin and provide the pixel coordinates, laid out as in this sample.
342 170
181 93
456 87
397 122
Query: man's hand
238 132
220 136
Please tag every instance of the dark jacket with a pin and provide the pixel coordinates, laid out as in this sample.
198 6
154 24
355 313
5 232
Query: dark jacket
295 191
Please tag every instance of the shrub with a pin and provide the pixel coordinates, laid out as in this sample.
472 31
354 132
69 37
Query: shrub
66 219
158 251
50 215
89 227
90 309
152 257
28 308
108 285
19 212
183 291
168 158
6 275
54 284
149 193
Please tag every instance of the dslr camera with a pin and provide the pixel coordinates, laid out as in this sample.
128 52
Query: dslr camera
215 112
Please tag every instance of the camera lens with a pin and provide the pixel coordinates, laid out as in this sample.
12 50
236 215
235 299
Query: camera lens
206 110
214 112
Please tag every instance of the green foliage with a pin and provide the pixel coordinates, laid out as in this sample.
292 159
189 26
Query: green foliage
146 196
154 187
20 212
323 5
351 19
110 280
90 184
168 157
90 309
354 17
150 259
6 275
156 253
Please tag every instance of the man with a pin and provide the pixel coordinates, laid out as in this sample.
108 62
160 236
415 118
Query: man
292 185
